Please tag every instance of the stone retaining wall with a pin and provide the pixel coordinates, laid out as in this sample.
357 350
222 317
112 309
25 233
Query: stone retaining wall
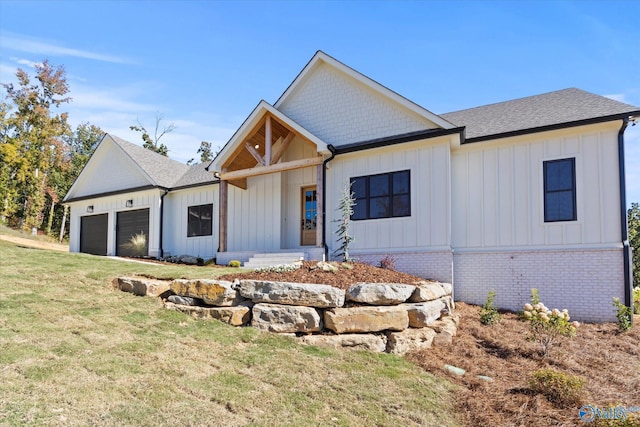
381 317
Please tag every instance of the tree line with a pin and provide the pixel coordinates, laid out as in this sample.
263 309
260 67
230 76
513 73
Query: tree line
41 155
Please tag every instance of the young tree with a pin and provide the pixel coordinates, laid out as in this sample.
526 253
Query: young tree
154 144
32 142
633 218
345 206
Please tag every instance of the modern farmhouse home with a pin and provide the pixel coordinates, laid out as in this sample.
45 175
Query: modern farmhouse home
528 193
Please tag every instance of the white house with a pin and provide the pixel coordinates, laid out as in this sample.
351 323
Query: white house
510 196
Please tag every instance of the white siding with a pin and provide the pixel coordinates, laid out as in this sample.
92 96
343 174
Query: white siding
428 227
108 170
175 237
498 199
254 215
339 110
112 205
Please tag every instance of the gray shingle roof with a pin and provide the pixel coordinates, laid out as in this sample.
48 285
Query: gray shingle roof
548 109
163 171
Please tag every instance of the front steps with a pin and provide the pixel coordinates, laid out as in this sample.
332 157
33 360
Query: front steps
274 258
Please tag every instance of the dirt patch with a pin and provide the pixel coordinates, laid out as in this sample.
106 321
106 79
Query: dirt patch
608 361
37 244
343 278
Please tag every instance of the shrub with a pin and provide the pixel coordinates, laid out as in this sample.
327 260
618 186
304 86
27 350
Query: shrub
623 313
488 313
234 263
560 389
137 244
636 300
388 263
545 326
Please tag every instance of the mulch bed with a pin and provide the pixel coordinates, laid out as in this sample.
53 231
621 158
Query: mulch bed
607 360
343 278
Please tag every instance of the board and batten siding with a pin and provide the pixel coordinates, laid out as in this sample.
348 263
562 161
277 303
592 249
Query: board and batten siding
176 242
340 110
111 205
428 227
498 190
254 215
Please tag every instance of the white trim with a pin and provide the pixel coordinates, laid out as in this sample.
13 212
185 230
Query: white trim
537 248
256 115
371 84
409 250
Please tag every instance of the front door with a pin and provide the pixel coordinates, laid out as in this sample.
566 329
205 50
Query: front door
309 214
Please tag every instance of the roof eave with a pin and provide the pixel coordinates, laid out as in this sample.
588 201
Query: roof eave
546 128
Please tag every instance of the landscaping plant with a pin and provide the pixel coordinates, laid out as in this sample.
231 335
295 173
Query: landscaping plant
623 313
561 389
345 206
137 244
545 325
489 313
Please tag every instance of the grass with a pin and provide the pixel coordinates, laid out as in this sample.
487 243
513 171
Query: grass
76 352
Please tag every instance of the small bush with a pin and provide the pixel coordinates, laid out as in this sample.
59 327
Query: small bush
623 313
137 244
636 300
388 263
560 389
546 325
488 313
234 263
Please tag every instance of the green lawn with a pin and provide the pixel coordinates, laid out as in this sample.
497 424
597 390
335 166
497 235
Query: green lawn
73 351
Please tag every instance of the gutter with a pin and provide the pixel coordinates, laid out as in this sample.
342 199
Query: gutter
624 229
162 220
333 151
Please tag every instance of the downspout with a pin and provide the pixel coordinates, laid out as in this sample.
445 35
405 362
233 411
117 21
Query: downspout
332 149
624 229
162 221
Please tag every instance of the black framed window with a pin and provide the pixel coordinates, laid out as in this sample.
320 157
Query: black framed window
384 195
560 190
200 220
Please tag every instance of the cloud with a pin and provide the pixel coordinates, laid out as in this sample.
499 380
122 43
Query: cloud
620 97
21 44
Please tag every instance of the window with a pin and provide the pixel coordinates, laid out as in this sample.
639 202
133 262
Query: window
200 220
560 190
384 195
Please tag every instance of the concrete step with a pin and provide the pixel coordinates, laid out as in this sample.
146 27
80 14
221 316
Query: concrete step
271 259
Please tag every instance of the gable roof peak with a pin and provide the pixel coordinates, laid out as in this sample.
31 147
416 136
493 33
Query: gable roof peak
322 57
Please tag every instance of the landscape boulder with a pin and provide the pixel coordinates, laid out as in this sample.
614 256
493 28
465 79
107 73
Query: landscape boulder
299 294
379 293
370 342
234 316
429 291
409 340
142 286
366 319
424 313
286 318
213 292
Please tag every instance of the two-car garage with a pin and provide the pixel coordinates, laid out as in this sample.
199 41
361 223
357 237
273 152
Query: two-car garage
132 233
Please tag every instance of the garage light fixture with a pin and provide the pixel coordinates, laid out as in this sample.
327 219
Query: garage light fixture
90 209
129 203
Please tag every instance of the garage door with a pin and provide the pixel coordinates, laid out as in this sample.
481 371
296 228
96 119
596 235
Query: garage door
93 234
132 233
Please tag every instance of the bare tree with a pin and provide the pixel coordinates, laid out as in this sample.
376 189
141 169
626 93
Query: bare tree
154 144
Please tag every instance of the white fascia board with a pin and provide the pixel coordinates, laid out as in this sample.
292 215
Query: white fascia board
372 84
250 122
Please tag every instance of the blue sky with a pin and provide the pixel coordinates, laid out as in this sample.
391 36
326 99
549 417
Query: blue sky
205 65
